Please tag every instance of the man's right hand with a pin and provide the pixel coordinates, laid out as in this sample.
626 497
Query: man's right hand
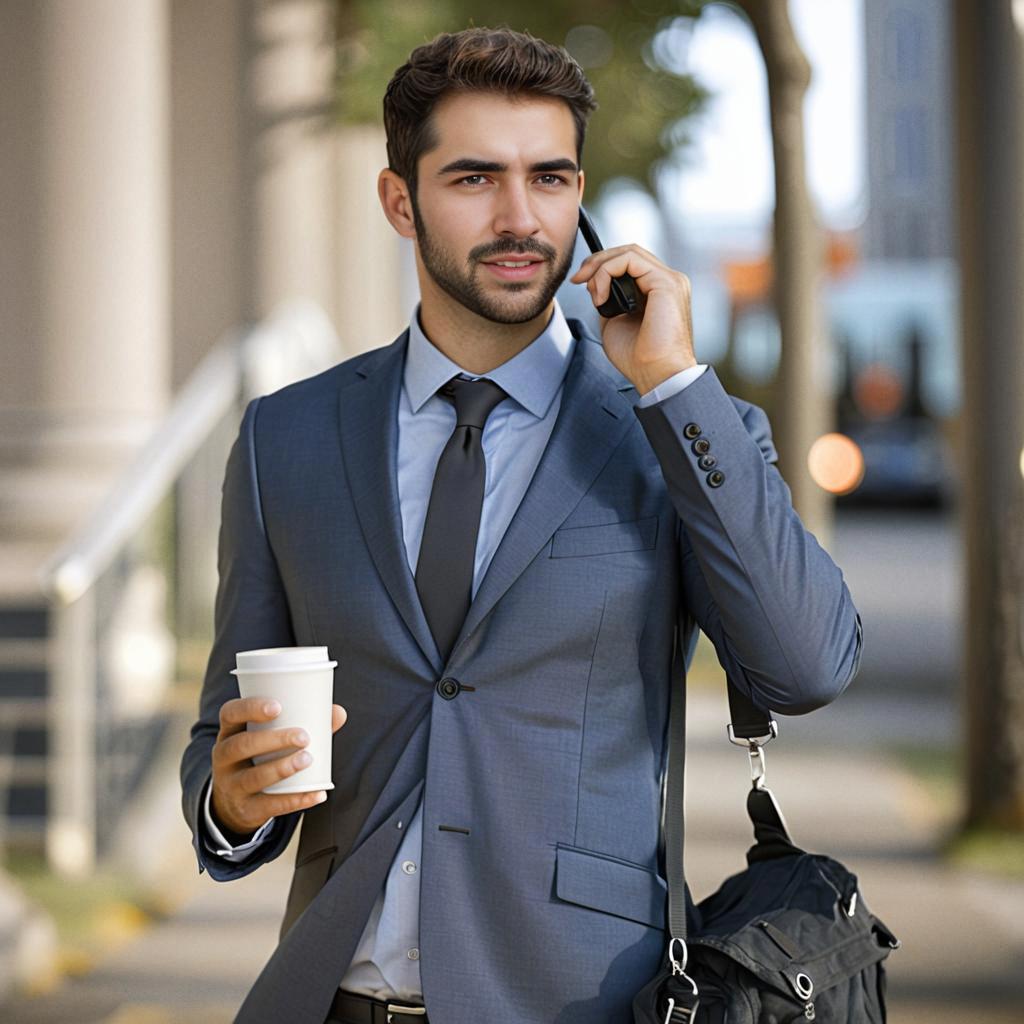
237 800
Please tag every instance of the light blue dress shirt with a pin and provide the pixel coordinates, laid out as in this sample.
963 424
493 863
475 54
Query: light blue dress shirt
386 960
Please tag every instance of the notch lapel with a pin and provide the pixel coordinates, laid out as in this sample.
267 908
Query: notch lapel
368 420
592 421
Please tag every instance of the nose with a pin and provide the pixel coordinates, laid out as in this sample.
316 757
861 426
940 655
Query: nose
514 214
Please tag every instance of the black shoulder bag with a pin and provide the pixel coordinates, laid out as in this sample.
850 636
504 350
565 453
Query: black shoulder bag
790 938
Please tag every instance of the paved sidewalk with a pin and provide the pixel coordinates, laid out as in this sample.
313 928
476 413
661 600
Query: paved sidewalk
962 959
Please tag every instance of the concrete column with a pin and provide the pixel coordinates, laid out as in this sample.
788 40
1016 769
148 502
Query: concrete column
373 304
83 267
289 155
207 202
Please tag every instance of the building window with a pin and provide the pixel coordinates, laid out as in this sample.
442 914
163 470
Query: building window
909 150
904 47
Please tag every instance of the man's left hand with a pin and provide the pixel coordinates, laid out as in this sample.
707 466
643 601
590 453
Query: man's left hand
650 345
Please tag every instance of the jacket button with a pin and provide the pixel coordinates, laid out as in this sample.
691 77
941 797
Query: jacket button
701 446
691 430
707 462
448 688
716 478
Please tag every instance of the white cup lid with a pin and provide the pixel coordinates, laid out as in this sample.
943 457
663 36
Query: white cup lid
277 658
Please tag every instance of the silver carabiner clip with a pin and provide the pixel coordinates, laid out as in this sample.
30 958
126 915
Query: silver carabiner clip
677 1013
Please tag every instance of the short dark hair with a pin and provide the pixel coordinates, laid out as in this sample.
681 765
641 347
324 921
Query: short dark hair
497 60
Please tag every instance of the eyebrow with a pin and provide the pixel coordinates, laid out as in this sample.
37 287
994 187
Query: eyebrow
475 165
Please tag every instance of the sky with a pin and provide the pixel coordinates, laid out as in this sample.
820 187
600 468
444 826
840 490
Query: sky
728 177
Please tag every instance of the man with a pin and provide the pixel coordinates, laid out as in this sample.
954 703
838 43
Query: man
507 536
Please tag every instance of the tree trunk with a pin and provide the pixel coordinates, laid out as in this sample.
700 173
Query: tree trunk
990 147
804 411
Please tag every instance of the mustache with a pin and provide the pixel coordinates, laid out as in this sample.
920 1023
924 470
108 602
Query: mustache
513 248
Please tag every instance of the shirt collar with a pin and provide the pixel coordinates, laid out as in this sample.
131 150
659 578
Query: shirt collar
532 377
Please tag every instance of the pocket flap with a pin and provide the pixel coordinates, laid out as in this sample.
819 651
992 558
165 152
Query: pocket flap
612 886
606 539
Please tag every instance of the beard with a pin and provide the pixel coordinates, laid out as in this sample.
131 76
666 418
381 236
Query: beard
518 301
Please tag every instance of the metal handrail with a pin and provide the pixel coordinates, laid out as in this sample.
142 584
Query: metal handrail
217 383
203 401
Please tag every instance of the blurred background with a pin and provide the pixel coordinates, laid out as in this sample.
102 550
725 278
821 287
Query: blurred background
188 217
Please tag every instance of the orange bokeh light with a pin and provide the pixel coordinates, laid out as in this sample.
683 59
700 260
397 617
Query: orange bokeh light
878 392
836 463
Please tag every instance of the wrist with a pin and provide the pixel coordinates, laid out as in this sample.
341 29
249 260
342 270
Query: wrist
234 835
653 376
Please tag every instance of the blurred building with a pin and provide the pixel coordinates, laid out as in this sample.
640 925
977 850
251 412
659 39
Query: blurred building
909 81
172 176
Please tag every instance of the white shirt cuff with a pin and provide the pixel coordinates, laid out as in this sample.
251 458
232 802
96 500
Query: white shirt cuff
672 386
221 847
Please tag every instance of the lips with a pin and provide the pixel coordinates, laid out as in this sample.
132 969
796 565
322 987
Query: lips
519 273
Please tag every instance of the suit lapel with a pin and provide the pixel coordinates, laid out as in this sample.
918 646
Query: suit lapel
369 442
592 420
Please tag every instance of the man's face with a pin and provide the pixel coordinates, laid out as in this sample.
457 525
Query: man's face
502 185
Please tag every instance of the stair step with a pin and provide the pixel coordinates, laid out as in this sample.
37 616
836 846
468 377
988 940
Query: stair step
24 712
19 652
20 587
23 770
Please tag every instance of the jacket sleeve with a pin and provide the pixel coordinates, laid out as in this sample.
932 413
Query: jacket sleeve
251 612
767 595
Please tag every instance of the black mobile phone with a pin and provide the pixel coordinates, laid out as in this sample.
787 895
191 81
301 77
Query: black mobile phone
624 296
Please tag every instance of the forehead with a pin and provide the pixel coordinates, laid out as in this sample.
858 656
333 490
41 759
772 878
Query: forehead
501 128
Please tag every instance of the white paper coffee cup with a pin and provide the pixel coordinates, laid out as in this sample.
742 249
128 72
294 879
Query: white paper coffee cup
301 680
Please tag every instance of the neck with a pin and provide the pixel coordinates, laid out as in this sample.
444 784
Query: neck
473 342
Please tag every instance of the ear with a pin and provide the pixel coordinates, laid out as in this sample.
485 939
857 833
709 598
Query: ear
394 200
580 183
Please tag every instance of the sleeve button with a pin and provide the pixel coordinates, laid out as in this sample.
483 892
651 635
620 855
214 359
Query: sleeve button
707 462
701 446
691 430
716 478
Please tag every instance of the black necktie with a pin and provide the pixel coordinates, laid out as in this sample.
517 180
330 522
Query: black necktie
444 569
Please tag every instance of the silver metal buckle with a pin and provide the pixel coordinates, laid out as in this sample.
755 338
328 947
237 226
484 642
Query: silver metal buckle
755 751
756 741
414 1011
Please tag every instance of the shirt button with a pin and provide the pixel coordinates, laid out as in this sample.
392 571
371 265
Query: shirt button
409 867
413 954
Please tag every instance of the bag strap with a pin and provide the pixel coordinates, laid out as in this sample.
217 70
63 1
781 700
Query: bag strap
675 869
752 728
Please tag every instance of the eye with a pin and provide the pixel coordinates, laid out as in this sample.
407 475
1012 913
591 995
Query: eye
553 179
471 179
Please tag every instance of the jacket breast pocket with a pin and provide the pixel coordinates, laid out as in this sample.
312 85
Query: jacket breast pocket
605 539
611 886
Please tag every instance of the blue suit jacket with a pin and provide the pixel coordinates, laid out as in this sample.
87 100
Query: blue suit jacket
542 895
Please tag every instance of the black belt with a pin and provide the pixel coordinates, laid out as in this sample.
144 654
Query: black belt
350 1008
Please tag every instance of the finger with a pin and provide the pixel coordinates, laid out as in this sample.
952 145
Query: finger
339 716
254 780
243 746
236 713
596 260
272 805
600 285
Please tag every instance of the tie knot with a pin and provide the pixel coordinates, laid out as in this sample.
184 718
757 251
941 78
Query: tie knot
474 400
